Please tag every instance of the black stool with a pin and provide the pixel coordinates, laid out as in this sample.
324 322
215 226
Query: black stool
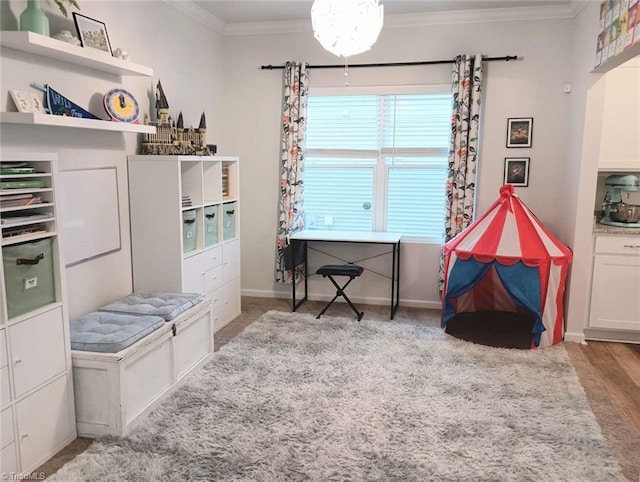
350 270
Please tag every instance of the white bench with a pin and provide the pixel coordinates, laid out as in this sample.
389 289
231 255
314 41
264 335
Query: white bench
114 391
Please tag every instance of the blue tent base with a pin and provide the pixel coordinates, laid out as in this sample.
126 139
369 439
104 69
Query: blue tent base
500 329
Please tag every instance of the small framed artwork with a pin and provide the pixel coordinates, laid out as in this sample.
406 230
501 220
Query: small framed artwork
516 171
92 33
519 132
27 101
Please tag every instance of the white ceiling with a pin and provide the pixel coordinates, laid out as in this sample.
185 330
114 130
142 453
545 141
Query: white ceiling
231 12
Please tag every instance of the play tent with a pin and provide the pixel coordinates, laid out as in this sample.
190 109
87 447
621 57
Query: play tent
507 260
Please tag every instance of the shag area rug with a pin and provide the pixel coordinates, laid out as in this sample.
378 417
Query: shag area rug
295 398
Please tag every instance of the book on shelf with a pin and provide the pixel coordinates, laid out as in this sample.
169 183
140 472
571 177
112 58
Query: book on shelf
21 201
17 170
14 218
23 184
23 230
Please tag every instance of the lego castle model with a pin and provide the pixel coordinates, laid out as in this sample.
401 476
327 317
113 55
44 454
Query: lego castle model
171 138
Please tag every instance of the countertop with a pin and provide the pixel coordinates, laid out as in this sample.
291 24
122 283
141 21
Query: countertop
606 229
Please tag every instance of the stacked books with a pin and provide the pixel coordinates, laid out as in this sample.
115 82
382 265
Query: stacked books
12 169
186 201
225 181
23 230
15 200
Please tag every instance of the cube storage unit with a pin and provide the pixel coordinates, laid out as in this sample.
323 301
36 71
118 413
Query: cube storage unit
115 391
37 412
208 185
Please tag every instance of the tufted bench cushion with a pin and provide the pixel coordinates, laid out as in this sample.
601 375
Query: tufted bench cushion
165 305
110 332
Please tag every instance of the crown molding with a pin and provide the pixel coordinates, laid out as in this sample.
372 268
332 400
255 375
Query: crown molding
199 14
391 21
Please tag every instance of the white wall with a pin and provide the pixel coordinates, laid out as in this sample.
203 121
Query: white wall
531 87
185 56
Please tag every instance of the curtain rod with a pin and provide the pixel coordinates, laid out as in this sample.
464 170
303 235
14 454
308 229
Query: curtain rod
390 64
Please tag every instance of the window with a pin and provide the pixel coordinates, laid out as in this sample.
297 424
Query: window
378 161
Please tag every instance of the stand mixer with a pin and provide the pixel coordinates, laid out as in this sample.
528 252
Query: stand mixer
614 210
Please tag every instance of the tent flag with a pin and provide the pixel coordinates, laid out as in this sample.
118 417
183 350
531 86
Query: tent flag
530 263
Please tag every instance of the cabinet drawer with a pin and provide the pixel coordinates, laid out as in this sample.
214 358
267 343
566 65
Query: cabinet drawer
37 350
211 258
6 427
618 245
195 269
44 422
213 279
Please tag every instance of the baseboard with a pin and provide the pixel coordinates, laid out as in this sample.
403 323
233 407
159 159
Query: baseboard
431 305
574 337
621 336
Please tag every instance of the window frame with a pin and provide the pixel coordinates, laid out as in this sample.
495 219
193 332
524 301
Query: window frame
379 163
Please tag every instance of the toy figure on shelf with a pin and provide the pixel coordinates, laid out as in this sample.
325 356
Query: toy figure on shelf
172 138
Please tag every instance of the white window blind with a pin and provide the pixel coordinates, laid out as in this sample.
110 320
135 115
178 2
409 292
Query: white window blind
377 162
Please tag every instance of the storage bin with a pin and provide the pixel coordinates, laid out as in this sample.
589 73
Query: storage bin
210 225
189 225
229 213
28 274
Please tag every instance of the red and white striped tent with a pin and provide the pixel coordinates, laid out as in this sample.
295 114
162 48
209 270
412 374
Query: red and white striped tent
507 260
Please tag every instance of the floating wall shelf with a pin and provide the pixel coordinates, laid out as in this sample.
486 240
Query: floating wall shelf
51 48
35 118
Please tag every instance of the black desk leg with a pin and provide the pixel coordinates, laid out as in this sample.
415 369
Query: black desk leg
395 279
295 305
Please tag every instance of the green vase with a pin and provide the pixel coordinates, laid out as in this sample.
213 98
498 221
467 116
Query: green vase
33 19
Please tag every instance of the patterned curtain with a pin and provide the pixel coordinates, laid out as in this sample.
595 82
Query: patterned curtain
466 87
291 184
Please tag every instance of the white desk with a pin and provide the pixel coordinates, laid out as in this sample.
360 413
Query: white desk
309 235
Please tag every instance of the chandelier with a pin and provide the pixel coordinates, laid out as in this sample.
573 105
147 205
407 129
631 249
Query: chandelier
346 27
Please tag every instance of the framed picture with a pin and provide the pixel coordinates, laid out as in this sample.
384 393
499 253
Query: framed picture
27 101
519 132
92 33
516 171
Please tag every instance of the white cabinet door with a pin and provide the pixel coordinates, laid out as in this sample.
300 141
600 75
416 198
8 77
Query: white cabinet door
44 422
37 350
230 261
615 303
193 275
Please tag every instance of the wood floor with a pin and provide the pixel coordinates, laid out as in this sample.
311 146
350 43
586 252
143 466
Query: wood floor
609 373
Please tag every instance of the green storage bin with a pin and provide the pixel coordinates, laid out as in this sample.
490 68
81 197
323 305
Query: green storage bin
28 275
229 213
210 225
189 225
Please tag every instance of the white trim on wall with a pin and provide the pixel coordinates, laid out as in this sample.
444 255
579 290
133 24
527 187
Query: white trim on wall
547 12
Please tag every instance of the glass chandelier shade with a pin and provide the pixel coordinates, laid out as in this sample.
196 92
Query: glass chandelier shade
346 27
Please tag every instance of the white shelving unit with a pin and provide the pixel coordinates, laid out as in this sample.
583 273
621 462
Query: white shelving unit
36 390
51 48
201 255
